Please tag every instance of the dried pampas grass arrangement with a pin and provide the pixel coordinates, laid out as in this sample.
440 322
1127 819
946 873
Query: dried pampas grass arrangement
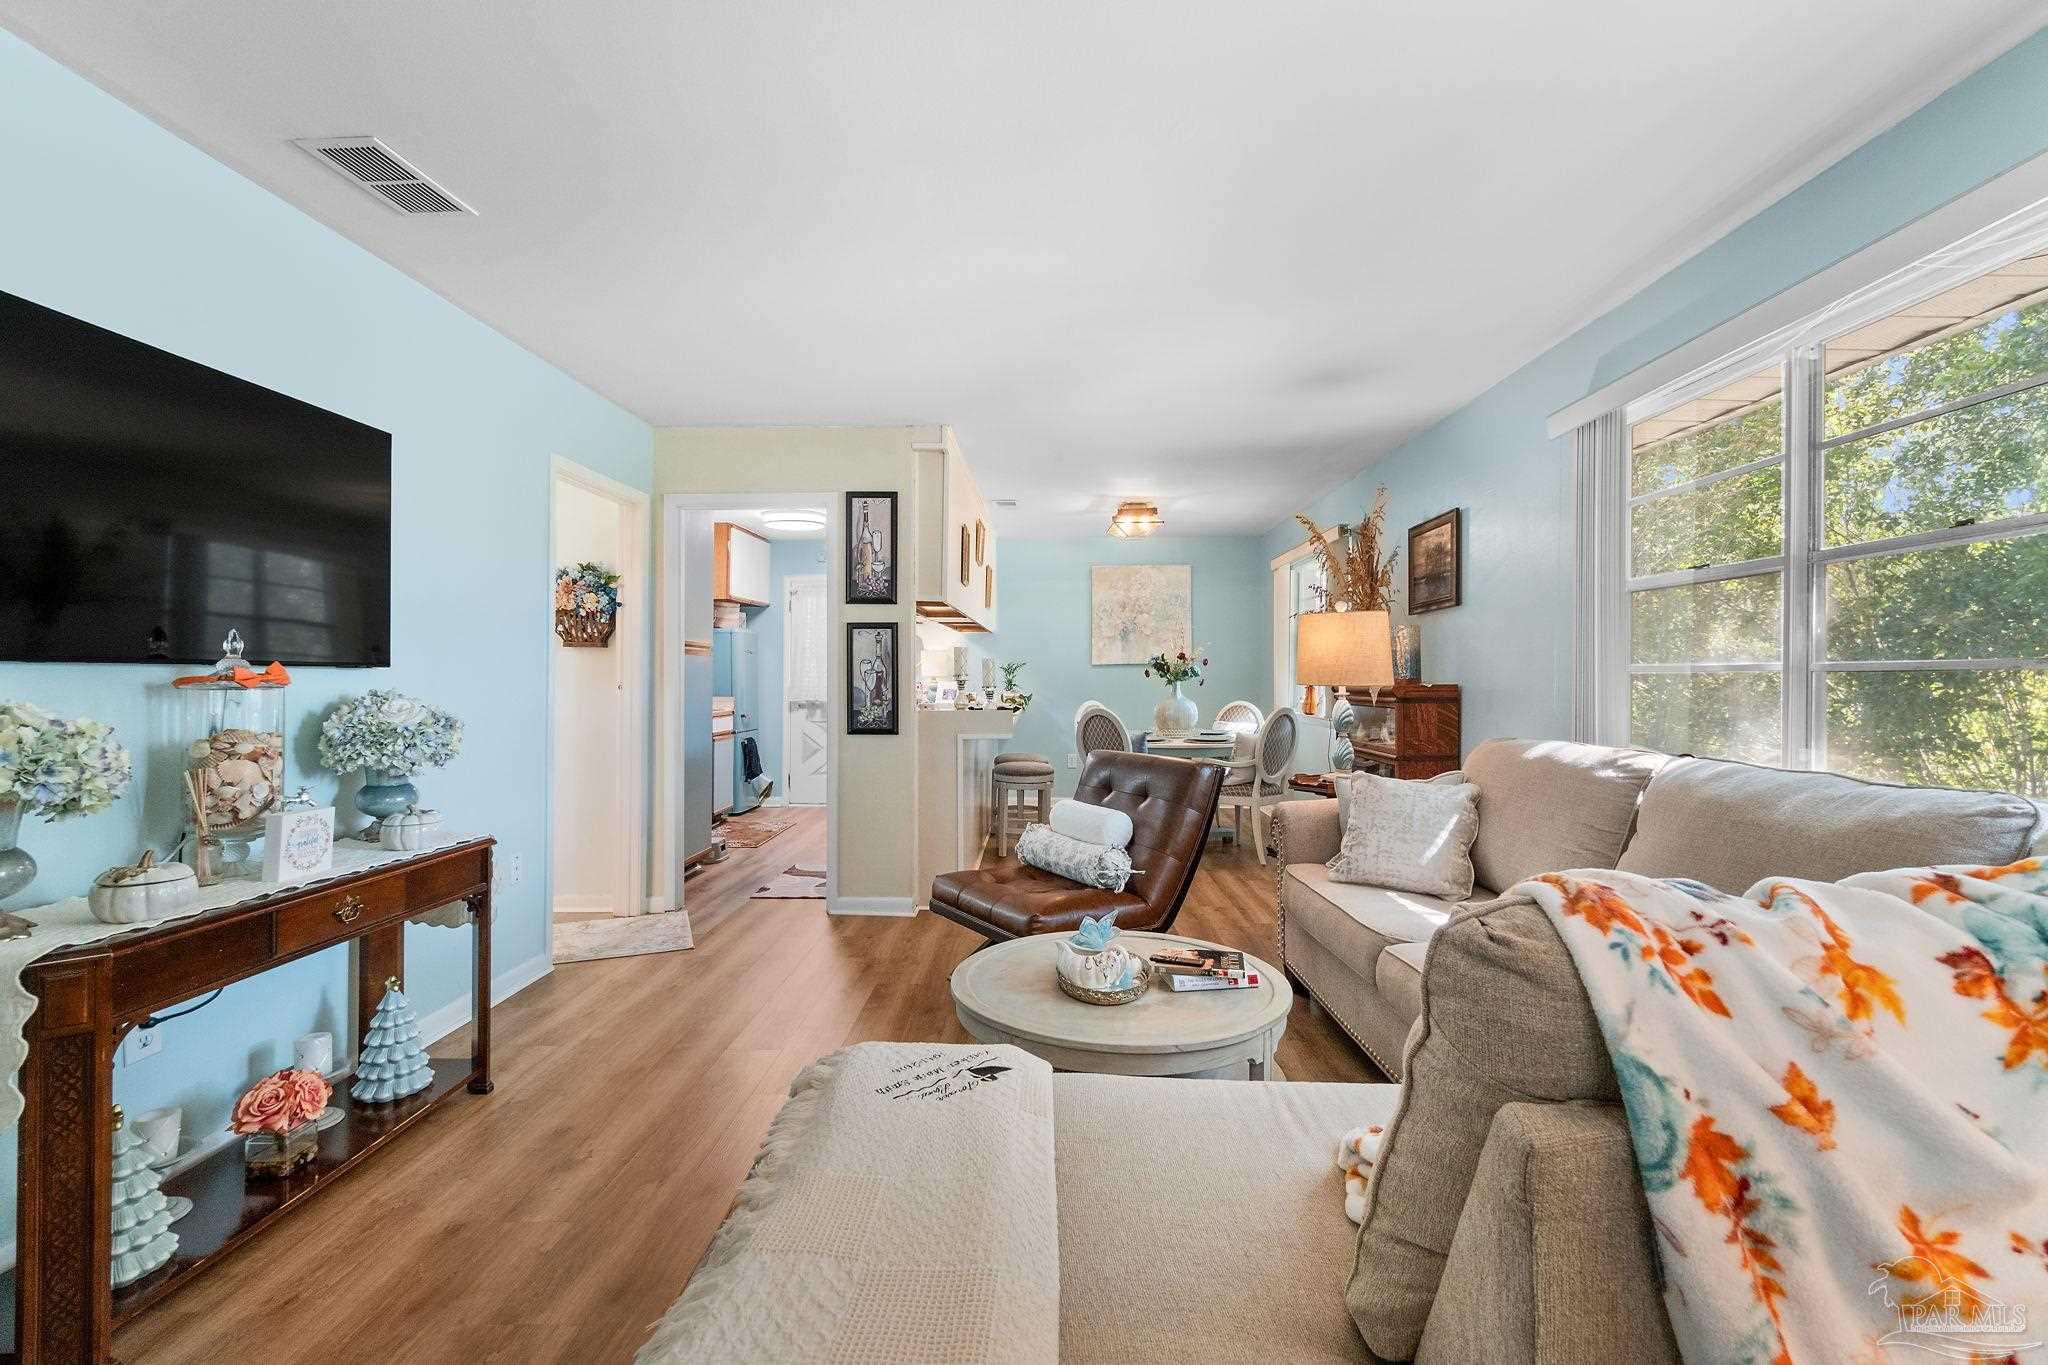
1357 575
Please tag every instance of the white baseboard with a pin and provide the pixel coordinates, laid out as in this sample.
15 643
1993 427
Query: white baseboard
659 905
585 905
871 905
504 985
433 1028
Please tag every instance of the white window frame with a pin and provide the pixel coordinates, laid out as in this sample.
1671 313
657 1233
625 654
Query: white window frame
1603 663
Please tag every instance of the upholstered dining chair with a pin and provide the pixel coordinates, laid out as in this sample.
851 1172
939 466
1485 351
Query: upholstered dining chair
1171 802
1242 719
1266 785
1098 727
1240 715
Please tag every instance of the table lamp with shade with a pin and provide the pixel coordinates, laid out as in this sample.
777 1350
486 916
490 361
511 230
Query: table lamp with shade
1345 650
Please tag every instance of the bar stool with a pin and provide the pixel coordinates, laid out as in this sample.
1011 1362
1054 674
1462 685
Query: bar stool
1015 776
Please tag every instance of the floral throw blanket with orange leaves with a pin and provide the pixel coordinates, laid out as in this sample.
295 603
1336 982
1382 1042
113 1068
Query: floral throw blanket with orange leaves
1838 1095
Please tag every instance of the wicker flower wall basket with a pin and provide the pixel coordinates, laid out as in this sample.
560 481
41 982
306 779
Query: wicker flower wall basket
578 631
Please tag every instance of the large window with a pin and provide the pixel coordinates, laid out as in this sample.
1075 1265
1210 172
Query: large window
1839 559
1305 591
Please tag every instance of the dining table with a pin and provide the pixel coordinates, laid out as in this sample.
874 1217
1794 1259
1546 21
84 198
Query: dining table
1199 744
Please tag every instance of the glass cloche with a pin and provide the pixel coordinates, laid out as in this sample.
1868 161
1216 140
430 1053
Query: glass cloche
231 723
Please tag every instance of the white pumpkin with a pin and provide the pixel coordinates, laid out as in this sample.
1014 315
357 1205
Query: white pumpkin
409 831
145 891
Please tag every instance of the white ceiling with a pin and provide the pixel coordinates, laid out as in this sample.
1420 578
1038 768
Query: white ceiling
1221 254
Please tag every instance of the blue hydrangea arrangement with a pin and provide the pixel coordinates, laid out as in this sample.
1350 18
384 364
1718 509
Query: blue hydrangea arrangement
59 769
388 731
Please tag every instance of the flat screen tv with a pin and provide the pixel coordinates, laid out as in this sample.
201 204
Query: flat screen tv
149 504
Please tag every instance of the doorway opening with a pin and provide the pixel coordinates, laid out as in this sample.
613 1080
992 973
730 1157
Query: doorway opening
597 709
746 742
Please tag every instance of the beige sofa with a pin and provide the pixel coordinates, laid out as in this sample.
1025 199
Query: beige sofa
1547 806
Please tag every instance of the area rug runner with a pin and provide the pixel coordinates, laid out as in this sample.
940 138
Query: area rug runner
1838 1098
585 940
757 826
904 1196
795 884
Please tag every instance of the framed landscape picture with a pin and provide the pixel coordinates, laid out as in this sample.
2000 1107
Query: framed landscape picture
871 548
1436 563
871 692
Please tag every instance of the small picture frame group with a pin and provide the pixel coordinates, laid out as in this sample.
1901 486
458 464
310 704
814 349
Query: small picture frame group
872 678
871 569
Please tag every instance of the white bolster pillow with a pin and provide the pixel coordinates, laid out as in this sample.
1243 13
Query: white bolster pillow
1042 846
1091 824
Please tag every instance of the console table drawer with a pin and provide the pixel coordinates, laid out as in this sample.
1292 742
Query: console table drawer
338 914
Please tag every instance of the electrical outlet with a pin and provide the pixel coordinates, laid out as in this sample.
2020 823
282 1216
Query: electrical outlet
515 869
141 1043
1073 760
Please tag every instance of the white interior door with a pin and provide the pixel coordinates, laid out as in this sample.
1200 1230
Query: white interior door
803 691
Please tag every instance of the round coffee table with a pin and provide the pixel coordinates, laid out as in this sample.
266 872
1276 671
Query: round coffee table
1006 994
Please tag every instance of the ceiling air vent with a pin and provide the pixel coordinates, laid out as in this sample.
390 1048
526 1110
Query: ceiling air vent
369 163
1006 502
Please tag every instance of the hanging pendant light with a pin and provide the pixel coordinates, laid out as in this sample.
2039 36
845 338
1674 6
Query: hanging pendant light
1135 519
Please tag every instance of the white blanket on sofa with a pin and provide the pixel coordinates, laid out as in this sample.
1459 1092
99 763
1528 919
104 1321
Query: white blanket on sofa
902 1208
1838 1096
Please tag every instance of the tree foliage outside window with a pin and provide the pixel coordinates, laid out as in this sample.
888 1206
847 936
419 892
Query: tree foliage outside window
1970 611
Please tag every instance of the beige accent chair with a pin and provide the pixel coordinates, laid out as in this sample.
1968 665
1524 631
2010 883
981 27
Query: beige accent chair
1098 727
1265 786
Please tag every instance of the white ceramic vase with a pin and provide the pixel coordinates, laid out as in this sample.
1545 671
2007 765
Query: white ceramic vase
1176 715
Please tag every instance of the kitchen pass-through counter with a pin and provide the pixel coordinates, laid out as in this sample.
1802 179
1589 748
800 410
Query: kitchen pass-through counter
956 751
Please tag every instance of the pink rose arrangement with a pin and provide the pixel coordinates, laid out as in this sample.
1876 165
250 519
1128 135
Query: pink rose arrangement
280 1102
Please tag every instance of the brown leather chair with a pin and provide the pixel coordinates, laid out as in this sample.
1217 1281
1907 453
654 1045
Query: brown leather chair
1171 802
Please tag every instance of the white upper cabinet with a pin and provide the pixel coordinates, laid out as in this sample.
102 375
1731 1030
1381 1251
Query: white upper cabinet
956 579
739 565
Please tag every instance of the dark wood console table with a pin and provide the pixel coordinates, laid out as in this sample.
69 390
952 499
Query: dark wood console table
65 1309
1428 730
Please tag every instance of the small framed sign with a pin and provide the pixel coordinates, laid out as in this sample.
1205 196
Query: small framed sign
871 693
298 842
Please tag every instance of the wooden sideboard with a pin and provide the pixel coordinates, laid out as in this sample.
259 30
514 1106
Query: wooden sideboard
65 1309
1428 730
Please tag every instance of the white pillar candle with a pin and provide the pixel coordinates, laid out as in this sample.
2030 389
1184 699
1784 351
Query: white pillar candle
314 1052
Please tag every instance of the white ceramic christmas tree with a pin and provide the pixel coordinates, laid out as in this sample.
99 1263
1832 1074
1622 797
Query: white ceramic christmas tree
143 1239
392 1064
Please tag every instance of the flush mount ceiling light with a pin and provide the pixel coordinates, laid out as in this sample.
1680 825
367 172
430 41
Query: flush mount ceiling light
1135 519
792 519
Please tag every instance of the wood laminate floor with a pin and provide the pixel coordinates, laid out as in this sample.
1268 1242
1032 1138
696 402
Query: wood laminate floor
557 1219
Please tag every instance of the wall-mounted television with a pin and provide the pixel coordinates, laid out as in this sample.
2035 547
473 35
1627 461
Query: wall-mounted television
149 504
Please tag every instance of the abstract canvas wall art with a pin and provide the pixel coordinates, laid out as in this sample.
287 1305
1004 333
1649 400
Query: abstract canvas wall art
1138 610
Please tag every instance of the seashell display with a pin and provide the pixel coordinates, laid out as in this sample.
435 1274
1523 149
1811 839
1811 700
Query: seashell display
240 775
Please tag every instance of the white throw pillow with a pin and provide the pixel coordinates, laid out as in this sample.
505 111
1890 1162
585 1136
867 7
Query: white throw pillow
1342 781
1410 836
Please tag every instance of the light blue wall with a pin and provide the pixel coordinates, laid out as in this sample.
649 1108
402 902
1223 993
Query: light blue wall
1044 609
785 557
116 221
1510 644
